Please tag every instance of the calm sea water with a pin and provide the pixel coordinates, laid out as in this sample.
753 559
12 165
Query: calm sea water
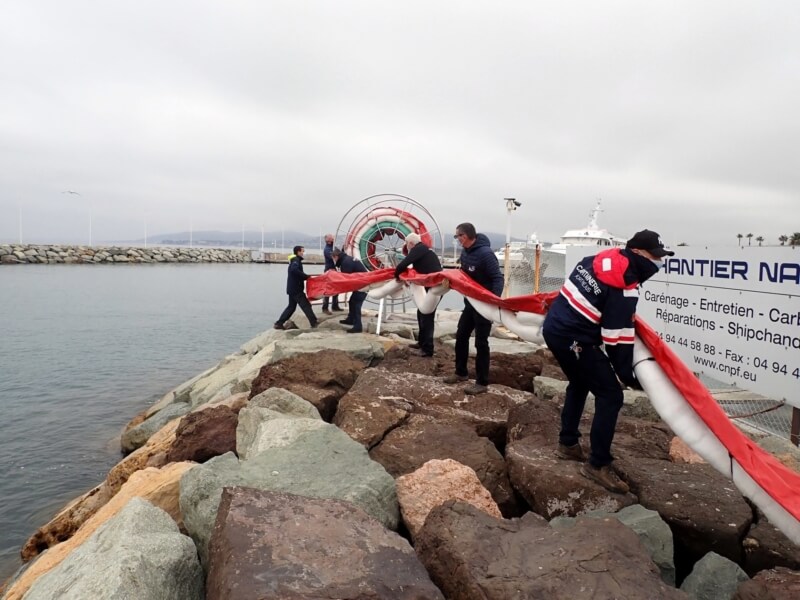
85 348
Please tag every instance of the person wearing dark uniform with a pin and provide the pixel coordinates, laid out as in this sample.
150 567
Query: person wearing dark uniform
348 264
590 331
295 288
327 253
479 262
424 260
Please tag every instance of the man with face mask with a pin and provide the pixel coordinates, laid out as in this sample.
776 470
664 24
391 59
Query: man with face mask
589 329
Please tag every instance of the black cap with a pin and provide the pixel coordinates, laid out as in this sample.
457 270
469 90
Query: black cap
650 241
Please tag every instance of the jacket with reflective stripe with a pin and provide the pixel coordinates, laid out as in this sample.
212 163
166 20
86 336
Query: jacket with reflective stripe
597 304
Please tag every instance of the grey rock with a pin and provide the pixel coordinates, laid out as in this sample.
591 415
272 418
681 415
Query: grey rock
136 437
137 554
714 578
323 463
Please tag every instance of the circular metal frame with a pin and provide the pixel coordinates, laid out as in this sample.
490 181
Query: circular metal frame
374 231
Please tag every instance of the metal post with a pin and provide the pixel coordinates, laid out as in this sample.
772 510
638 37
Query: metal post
794 436
511 206
380 317
537 264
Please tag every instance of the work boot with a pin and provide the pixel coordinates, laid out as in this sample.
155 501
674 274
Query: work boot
475 389
337 309
327 311
574 452
345 322
606 477
414 346
278 326
455 378
422 353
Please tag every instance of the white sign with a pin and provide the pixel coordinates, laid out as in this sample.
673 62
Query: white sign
732 314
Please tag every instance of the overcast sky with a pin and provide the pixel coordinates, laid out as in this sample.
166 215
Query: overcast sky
682 115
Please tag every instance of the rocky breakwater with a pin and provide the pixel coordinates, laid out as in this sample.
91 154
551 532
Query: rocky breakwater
90 255
318 464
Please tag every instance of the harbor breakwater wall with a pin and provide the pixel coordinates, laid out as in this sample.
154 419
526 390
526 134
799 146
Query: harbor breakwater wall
53 254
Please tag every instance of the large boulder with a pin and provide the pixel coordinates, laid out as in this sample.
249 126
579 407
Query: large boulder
470 554
775 584
714 577
436 482
137 436
653 532
766 547
320 377
323 463
204 434
277 545
158 486
486 413
421 438
138 554
703 508
554 487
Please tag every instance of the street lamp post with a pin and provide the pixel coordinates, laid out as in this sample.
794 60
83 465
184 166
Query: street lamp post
511 205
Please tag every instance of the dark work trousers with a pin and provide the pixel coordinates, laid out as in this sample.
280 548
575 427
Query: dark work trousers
354 312
589 370
471 321
294 301
327 300
425 337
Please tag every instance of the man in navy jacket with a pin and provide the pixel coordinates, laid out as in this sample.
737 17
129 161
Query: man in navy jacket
424 261
295 288
590 331
348 264
327 253
479 262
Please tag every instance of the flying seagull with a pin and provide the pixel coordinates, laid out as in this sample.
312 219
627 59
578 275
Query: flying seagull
70 192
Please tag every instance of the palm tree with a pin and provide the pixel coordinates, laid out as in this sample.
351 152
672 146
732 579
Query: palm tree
783 239
749 236
760 239
795 239
740 236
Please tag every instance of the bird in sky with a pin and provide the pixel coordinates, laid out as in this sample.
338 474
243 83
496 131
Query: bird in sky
70 192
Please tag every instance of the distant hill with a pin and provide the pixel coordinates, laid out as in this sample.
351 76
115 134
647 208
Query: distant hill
286 239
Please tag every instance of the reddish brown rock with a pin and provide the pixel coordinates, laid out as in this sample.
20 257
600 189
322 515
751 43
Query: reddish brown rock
367 419
679 452
511 370
776 584
421 438
436 482
766 547
486 414
204 434
554 487
321 378
276 545
471 555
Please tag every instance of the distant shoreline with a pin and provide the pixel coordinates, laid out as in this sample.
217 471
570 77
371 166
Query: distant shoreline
37 254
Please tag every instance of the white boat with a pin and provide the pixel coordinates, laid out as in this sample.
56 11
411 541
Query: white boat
518 251
591 235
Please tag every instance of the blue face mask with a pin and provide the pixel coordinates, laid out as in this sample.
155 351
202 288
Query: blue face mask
658 263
